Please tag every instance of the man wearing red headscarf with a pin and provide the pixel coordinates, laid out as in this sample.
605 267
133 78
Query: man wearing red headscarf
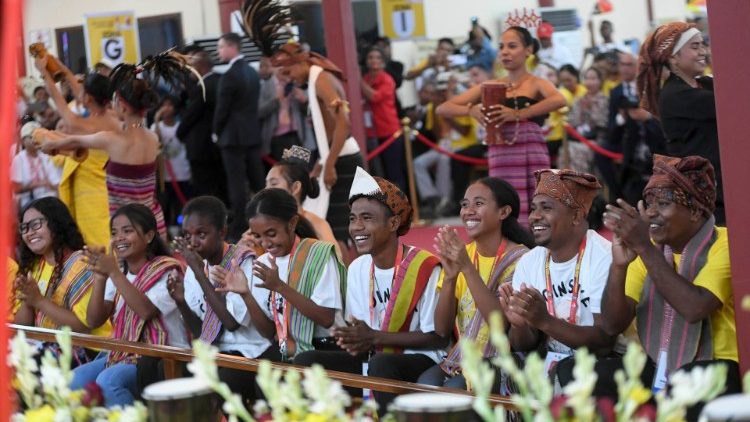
671 272
557 286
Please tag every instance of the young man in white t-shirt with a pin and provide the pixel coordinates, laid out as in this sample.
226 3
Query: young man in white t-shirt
33 175
234 323
558 285
381 339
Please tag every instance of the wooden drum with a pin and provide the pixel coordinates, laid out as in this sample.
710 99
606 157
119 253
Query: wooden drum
433 407
181 400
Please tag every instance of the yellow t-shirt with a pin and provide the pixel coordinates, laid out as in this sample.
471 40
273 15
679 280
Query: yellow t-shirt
459 142
716 277
43 273
609 85
467 308
558 118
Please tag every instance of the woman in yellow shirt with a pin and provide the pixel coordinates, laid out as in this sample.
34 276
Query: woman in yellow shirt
473 274
53 284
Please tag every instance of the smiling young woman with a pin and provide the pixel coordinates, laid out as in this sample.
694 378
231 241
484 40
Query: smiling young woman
53 286
474 274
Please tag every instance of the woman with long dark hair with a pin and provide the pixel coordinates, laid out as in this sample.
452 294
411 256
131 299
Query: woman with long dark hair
53 285
130 287
306 279
473 274
523 149
83 185
133 149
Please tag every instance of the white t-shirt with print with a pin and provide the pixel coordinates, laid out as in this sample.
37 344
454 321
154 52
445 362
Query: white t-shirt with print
246 339
597 258
159 296
358 300
175 151
327 293
26 169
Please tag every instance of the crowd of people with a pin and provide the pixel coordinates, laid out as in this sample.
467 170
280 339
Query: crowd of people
273 275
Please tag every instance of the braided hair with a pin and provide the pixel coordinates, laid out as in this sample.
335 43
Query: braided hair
66 237
135 83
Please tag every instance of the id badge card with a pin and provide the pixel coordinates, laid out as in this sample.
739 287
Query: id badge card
368 119
366 393
660 379
552 359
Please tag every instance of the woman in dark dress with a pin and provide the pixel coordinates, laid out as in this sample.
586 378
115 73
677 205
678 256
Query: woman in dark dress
685 102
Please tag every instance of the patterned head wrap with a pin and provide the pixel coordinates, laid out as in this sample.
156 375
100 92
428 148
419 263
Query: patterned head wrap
292 53
575 190
385 192
654 57
688 181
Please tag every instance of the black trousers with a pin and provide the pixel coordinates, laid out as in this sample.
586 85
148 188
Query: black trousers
208 177
242 165
606 387
460 170
150 370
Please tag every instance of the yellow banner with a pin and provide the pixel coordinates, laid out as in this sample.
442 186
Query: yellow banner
402 19
112 38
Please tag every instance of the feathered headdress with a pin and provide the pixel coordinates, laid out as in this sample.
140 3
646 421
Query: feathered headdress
266 21
169 65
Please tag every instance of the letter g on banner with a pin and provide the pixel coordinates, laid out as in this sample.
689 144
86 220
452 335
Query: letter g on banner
113 49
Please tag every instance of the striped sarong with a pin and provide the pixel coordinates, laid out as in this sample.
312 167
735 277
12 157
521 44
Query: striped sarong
408 287
517 163
131 327
305 270
338 207
134 183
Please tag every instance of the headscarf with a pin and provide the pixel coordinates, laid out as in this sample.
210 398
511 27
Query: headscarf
574 189
366 186
662 44
688 181
292 53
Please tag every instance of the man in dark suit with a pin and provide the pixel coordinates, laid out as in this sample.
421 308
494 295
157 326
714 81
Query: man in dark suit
236 130
196 127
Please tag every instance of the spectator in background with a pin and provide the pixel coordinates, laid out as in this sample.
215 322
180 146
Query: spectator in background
177 168
392 67
379 90
589 116
607 65
236 130
685 103
103 68
606 29
434 64
482 53
555 55
572 89
33 174
282 111
195 130
423 118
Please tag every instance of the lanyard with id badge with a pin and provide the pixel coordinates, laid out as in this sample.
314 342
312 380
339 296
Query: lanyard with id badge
554 357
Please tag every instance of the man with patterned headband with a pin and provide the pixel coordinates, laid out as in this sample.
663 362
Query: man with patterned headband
558 285
671 272
266 21
391 293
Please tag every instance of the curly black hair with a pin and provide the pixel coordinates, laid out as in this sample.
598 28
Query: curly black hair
66 237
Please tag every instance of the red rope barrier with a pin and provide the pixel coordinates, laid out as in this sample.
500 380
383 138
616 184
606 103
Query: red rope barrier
592 145
377 151
173 181
463 158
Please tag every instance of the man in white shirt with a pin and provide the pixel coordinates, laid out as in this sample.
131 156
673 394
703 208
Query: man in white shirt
555 55
400 332
33 175
558 285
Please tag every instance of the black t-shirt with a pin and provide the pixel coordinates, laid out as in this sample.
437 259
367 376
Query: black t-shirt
688 116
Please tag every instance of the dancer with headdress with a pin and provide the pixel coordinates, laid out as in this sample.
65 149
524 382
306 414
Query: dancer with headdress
83 186
266 21
133 149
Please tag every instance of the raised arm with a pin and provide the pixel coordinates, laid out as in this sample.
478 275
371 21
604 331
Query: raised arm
99 140
62 107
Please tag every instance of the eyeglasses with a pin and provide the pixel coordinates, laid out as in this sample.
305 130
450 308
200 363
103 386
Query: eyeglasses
33 225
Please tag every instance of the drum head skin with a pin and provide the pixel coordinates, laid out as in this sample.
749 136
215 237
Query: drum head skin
735 408
432 402
176 389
